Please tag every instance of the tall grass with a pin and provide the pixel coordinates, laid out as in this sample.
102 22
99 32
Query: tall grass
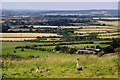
60 66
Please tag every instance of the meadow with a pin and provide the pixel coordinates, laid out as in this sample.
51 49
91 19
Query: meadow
59 65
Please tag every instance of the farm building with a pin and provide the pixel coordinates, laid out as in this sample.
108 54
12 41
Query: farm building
86 50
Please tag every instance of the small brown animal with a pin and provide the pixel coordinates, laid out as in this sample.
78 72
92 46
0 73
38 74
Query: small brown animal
39 70
78 66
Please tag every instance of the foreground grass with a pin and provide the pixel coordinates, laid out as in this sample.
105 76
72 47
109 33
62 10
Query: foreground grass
60 65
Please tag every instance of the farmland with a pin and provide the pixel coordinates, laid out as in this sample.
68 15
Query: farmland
110 23
23 36
22 64
60 65
53 42
102 31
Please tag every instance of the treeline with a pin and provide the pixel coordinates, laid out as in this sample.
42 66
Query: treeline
65 49
113 45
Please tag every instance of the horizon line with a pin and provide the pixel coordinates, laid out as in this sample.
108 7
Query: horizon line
60 9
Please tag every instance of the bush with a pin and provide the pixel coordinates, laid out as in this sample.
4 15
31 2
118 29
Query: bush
98 47
18 47
57 48
14 51
72 51
104 42
109 49
65 49
115 42
92 47
27 47
22 49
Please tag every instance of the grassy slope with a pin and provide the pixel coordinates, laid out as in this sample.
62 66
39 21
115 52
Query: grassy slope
60 65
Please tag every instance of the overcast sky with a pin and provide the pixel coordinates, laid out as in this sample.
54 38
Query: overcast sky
59 5
60 0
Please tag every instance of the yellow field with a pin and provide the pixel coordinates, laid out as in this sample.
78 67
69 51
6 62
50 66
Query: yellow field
85 27
16 39
25 35
45 26
98 27
90 29
109 37
113 23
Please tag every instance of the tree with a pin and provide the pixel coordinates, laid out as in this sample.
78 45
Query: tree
109 49
72 50
4 27
98 47
14 51
22 49
57 48
115 42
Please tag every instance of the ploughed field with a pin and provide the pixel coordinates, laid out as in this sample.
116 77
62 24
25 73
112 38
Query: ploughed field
22 64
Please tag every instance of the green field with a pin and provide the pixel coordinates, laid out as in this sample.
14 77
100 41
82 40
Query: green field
60 65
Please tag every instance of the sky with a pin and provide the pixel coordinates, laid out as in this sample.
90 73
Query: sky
59 0
59 5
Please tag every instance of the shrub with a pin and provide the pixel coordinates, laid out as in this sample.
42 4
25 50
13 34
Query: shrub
14 51
92 47
115 42
22 49
65 49
27 47
18 47
57 48
104 42
72 51
98 47
109 49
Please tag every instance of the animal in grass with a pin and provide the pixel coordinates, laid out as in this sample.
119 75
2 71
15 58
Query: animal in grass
40 70
78 66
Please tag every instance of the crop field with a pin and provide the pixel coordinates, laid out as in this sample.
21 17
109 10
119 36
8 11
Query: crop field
16 39
45 26
59 65
112 23
109 37
25 35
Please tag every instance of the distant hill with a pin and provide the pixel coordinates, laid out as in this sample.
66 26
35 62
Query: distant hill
113 12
